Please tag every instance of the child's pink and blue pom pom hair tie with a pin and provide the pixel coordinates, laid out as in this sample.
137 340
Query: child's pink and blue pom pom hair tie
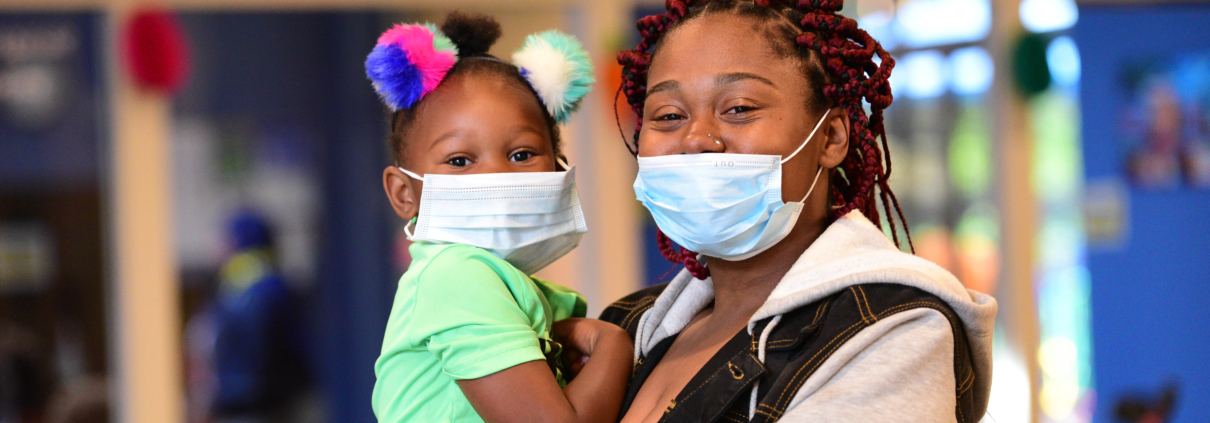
408 63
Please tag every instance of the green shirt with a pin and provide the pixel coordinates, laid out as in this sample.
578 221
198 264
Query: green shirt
461 313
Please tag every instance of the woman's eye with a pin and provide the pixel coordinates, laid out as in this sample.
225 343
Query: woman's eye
458 162
521 156
668 116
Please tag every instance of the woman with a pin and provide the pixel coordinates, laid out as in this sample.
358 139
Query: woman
794 305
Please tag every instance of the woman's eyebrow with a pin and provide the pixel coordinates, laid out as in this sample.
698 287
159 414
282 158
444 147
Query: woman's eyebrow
669 85
731 78
724 79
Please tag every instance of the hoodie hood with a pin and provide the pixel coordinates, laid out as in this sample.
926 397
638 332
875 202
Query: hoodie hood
851 251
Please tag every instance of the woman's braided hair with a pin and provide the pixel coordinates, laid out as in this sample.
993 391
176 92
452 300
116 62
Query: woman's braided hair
837 56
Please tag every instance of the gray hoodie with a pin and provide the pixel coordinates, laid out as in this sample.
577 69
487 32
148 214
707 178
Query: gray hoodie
899 369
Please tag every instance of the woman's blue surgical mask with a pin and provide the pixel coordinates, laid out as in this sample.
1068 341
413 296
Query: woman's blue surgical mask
529 219
722 205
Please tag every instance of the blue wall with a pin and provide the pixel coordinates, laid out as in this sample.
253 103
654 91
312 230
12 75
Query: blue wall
62 152
1150 298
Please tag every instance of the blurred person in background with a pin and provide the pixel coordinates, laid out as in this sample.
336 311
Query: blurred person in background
246 352
83 400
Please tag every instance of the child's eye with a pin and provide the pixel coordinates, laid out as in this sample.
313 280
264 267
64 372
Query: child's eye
458 161
739 109
521 156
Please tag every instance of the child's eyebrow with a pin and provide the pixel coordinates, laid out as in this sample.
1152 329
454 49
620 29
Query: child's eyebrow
521 128
453 133
539 136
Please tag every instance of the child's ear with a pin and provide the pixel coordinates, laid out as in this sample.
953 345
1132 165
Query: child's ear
400 189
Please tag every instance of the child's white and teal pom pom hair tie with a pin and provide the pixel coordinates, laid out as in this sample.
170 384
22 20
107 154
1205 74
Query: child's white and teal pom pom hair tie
559 70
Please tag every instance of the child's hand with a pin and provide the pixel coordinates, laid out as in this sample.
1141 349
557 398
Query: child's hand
583 335
573 362
595 398
580 338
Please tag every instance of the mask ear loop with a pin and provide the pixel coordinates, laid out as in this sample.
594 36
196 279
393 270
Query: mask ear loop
809 191
804 143
407 231
563 163
409 173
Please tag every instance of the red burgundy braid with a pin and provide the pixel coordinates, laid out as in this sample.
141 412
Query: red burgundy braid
846 56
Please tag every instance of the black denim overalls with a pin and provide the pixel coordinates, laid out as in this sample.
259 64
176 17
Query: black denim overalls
799 343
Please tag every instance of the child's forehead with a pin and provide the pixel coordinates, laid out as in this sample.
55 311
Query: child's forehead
480 102
482 85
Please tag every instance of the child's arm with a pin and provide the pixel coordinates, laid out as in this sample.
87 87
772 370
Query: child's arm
529 393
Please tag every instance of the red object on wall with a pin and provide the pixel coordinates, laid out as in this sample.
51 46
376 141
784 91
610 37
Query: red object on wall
155 51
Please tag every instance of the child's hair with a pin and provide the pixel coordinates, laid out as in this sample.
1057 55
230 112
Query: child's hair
412 60
836 56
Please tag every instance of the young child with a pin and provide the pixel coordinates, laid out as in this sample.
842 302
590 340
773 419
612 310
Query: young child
479 176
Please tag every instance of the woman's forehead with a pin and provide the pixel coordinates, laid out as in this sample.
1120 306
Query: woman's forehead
720 44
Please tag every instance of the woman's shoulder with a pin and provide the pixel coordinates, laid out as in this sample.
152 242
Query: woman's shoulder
824 338
627 311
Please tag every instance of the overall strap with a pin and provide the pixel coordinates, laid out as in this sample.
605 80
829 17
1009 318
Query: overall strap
627 311
727 376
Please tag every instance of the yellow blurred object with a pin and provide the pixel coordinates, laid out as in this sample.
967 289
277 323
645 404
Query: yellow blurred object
244 269
1060 377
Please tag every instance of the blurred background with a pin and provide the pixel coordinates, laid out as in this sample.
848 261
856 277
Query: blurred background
192 225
